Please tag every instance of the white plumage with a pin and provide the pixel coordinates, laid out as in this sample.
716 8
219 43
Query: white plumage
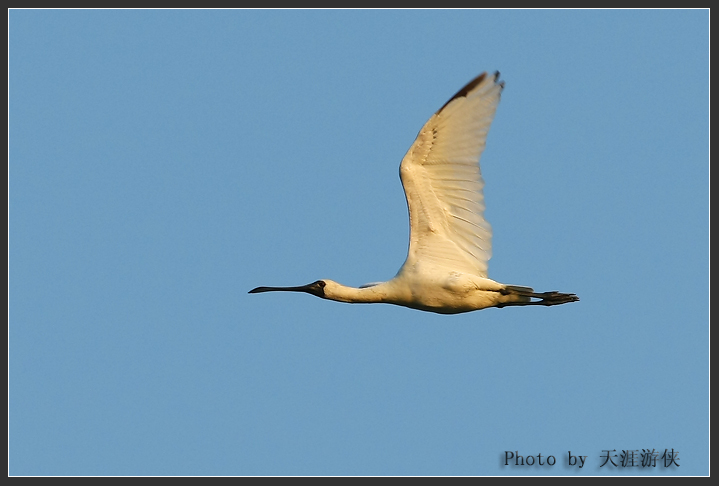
450 241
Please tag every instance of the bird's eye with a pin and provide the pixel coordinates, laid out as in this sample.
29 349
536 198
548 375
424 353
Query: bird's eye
321 283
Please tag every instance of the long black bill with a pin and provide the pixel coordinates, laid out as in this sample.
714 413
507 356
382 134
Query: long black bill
315 288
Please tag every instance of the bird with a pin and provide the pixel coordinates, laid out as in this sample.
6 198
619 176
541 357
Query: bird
450 240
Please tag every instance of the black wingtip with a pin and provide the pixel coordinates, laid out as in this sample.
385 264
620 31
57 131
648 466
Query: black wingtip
470 86
496 77
466 89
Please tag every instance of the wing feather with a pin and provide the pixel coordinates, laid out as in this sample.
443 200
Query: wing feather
443 183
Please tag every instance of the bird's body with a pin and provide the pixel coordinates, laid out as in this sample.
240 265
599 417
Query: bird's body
450 241
441 292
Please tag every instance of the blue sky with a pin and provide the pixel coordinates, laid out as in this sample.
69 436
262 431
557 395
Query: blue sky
162 163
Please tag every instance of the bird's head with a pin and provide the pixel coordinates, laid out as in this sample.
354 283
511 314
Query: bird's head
316 288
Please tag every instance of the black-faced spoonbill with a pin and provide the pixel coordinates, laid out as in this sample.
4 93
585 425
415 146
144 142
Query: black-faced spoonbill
450 242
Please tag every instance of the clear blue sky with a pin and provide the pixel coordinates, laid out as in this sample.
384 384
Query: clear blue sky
163 163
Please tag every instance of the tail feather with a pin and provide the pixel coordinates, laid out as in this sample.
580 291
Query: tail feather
518 289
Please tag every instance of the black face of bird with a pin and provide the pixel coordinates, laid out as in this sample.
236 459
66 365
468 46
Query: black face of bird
315 288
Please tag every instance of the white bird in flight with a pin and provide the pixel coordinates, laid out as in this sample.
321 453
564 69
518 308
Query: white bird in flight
450 242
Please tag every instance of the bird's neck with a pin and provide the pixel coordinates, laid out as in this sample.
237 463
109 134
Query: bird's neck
342 293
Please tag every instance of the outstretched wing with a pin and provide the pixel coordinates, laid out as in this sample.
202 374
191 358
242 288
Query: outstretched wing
443 184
